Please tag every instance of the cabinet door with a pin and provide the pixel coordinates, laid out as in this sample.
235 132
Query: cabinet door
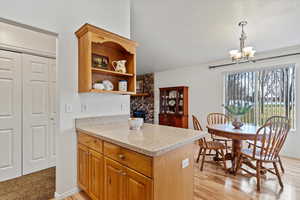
96 177
52 112
114 180
10 115
35 113
164 120
83 167
138 186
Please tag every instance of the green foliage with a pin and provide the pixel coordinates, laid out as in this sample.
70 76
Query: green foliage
238 109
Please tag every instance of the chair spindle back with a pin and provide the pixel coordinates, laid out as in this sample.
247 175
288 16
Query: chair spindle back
217 118
198 127
272 136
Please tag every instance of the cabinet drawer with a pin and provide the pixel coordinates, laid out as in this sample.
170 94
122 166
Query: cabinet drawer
92 142
131 159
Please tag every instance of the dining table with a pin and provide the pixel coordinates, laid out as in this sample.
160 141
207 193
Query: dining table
246 132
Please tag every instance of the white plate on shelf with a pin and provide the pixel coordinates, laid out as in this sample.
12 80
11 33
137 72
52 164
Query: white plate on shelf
172 102
108 85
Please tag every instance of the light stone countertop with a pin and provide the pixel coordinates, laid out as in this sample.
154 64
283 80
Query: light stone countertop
151 140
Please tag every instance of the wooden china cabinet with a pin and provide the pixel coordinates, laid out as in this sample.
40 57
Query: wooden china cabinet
174 106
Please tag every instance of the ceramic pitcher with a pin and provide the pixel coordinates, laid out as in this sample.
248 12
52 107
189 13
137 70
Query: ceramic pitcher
119 65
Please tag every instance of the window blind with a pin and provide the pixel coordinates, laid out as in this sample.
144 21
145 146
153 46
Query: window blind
271 91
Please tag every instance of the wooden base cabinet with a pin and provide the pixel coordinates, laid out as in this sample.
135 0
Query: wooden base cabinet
103 178
83 167
138 187
90 172
96 173
109 172
114 177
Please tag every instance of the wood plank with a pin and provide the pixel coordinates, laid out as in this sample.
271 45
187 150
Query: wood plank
111 92
141 95
105 71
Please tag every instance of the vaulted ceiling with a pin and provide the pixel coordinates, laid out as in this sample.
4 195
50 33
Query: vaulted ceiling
180 33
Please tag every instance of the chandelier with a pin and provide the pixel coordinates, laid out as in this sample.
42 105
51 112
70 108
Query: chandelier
244 53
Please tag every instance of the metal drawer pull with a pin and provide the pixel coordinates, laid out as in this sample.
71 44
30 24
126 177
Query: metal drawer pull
121 156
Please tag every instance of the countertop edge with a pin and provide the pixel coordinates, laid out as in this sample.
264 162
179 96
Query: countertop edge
144 151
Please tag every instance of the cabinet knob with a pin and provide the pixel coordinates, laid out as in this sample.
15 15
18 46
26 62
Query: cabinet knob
121 156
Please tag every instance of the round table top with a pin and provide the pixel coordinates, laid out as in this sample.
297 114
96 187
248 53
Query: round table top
247 132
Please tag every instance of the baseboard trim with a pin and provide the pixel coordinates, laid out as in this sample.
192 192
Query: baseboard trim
66 194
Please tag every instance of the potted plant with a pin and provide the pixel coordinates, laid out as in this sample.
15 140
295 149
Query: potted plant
237 111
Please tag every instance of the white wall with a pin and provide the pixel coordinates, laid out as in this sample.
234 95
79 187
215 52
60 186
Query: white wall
206 89
64 18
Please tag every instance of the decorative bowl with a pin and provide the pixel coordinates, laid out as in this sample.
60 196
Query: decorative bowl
135 123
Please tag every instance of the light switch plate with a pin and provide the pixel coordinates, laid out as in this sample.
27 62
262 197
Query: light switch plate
185 163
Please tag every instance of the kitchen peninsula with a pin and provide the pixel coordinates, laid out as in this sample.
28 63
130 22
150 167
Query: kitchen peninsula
115 163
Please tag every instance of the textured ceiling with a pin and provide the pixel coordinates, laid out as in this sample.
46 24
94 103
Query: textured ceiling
179 33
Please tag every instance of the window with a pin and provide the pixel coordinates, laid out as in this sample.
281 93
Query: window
271 91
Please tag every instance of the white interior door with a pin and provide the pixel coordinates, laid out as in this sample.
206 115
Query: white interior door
53 113
10 115
35 113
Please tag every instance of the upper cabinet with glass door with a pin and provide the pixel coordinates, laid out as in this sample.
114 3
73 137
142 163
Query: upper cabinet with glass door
174 100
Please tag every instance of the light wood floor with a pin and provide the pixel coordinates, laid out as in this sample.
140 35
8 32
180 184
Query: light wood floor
214 184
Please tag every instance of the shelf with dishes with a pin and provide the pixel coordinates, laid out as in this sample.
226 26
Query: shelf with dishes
107 61
174 102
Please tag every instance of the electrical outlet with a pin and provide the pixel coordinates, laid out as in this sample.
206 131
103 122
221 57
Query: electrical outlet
185 163
83 107
69 108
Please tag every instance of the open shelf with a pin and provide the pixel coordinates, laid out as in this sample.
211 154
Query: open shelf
98 47
112 92
110 72
141 95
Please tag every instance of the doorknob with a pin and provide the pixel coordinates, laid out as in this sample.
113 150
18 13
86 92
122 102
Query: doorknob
52 118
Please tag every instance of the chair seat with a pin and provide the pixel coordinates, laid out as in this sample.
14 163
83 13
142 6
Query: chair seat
249 153
214 145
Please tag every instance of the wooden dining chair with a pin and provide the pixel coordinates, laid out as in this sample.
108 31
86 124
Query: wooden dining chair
208 146
273 119
271 137
219 118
